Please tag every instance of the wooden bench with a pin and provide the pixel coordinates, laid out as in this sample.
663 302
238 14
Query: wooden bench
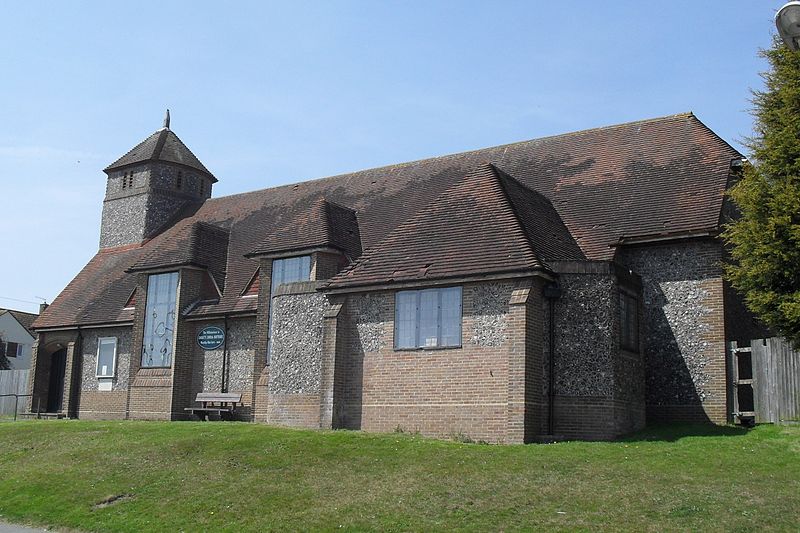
221 403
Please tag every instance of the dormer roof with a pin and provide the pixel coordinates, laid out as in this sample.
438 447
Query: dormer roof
193 244
324 224
486 223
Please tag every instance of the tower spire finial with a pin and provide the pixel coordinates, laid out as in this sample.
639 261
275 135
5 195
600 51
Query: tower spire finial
166 120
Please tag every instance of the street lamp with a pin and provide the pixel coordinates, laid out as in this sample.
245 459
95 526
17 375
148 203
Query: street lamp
787 19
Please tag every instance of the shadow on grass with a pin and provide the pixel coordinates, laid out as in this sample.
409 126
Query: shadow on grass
674 432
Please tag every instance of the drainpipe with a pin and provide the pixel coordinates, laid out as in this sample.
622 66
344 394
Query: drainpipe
552 292
225 365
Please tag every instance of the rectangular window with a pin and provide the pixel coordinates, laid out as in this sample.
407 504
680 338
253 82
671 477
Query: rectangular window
290 269
20 348
286 270
628 322
159 320
12 349
106 357
429 318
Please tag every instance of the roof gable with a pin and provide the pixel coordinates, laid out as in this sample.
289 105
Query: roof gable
25 320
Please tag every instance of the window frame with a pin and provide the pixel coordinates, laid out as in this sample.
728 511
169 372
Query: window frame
629 322
113 358
11 349
418 294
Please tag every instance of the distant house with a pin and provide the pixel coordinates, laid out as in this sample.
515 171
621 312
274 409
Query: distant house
568 285
16 338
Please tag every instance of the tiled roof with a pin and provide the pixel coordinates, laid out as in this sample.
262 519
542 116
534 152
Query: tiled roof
163 145
25 319
485 223
324 224
658 176
190 243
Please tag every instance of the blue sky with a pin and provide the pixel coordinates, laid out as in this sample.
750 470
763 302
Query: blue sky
267 93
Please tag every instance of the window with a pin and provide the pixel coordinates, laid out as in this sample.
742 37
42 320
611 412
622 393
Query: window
130 180
202 187
179 180
290 269
159 320
10 349
124 180
286 271
628 322
106 357
429 318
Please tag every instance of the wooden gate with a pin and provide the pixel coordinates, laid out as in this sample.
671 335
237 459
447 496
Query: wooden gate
13 382
766 381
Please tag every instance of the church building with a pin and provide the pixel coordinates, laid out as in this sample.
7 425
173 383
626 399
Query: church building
569 285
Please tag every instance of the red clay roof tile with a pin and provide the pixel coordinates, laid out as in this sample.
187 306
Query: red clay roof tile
658 176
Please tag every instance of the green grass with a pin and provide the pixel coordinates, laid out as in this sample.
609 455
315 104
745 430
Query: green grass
248 477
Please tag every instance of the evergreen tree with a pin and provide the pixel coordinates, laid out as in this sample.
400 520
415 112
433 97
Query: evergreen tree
765 239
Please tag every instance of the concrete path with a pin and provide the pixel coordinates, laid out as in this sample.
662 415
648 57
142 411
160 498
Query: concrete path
5 527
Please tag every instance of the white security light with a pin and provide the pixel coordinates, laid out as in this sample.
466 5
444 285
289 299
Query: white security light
787 20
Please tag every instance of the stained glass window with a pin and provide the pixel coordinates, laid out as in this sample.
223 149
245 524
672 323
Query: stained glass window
159 321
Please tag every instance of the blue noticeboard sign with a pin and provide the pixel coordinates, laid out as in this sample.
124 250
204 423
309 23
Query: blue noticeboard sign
210 337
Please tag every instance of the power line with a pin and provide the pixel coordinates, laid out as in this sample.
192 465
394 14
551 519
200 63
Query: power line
17 300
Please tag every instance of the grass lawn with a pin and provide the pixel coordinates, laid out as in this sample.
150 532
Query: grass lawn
232 476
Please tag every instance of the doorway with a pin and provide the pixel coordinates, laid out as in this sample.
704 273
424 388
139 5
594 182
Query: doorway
55 390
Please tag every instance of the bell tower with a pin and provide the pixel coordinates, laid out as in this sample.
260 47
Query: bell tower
151 187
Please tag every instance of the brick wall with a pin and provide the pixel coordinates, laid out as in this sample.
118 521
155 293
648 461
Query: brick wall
103 405
478 390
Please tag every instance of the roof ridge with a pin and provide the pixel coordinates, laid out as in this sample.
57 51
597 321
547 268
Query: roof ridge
404 164
159 147
7 310
501 179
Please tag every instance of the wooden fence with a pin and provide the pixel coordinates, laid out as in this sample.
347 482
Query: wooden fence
766 380
13 382
776 380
